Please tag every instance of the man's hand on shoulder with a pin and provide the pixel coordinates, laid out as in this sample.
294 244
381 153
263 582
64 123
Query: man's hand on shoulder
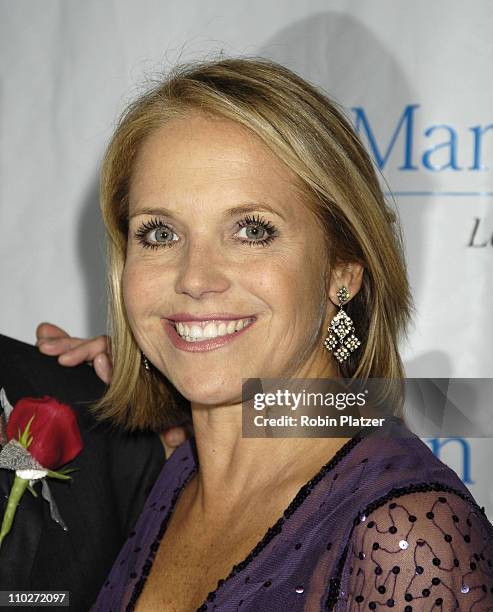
55 341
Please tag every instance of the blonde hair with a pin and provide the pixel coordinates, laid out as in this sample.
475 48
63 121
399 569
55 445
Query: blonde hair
307 131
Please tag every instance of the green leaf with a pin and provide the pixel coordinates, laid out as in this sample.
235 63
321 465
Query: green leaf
25 437
59 475
68 470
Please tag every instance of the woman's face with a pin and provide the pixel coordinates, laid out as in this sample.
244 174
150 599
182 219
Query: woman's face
218 231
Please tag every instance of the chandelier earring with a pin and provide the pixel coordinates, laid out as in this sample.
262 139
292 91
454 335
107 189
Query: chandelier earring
145 362
341 340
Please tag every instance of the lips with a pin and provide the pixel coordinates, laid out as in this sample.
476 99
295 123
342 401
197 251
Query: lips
195 343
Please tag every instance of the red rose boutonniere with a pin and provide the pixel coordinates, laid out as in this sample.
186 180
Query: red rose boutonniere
37 437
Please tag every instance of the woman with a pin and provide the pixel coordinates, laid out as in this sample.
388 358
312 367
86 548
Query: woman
242 213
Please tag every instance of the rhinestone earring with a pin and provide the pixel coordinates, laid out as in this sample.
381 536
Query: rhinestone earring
145 362
341 331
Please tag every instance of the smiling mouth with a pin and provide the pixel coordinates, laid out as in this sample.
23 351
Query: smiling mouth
196 331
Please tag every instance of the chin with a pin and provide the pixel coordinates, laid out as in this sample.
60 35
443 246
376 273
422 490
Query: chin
212 394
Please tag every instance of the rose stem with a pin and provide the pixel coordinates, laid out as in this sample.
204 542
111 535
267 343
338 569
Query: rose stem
17 491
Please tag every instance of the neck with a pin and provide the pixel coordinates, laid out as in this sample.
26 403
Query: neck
239 465
234 468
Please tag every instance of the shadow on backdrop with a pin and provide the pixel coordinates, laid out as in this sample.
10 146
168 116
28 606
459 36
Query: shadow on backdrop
91 247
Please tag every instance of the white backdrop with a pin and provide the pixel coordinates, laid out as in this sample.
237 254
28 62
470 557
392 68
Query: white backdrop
415 78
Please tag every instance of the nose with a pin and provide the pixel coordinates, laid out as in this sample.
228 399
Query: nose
202 270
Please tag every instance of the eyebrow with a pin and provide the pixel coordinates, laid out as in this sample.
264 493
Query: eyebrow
229 212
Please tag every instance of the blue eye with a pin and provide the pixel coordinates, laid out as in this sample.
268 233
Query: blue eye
160 235
154 234
259 232
254 233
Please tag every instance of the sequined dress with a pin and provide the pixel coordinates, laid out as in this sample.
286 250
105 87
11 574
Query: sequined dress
384 524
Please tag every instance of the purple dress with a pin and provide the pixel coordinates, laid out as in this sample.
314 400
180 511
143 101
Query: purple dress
383 524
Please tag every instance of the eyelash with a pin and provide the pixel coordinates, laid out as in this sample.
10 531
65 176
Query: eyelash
257 221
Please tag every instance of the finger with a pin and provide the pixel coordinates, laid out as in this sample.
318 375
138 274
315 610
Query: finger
48 330
58 346
85 350
103 368
174 436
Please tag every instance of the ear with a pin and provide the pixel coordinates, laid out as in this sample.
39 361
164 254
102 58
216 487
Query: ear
345 274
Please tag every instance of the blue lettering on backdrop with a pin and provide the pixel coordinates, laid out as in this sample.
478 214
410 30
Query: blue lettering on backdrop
406 120
405 131
478 132
437 444
451 144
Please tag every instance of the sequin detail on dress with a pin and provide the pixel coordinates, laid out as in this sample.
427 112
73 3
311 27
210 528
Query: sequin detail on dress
447 563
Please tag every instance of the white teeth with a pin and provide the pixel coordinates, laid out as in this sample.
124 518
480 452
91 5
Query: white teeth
196 332
212 329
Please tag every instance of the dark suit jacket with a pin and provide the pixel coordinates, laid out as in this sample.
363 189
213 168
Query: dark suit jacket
99 506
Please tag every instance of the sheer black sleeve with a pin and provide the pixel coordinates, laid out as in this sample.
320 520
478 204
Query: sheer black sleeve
420 551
